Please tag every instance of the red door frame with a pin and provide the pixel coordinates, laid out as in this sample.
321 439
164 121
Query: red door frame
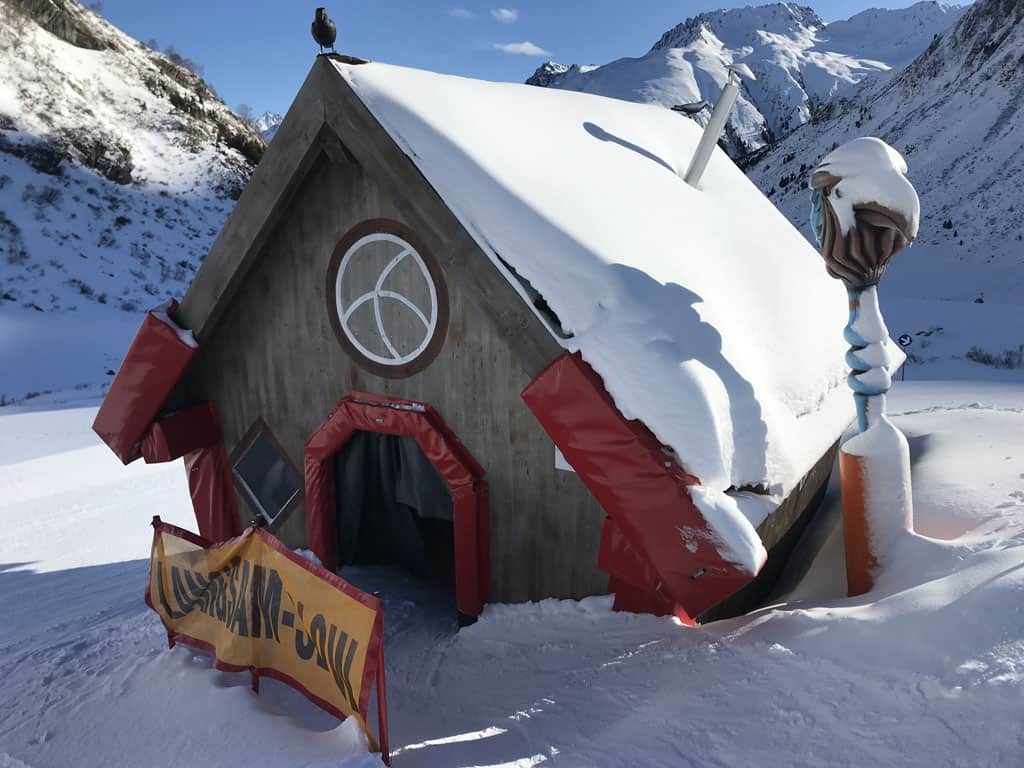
365 412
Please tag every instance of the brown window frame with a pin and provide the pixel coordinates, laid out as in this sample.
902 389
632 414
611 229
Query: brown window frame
391 227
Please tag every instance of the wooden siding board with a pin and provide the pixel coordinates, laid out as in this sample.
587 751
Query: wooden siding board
265 198
273 355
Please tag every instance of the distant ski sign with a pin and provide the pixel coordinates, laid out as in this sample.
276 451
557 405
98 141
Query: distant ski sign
257 606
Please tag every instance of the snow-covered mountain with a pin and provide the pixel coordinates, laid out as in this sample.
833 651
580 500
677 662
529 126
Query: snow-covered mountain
957 115
117 167
800 62
268 123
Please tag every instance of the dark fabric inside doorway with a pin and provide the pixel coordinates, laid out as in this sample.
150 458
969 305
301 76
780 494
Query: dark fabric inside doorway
393 507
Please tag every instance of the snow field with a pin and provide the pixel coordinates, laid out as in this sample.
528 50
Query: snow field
926 670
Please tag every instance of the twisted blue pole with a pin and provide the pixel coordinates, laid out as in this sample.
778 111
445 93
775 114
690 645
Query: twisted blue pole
869 376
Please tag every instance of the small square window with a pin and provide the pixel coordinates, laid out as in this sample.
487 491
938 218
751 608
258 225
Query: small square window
264 474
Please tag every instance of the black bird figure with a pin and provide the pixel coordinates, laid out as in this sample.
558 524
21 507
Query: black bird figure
324 31
692 108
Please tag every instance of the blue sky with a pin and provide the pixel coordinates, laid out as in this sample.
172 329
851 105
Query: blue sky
259 53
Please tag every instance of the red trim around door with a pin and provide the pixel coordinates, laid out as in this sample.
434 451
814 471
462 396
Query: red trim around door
360 411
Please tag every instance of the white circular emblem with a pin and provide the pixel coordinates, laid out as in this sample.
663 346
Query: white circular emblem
386 299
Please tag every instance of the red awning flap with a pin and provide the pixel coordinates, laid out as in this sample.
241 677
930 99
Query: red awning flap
657 538
155 362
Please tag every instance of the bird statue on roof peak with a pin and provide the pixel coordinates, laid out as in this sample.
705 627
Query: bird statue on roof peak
323 29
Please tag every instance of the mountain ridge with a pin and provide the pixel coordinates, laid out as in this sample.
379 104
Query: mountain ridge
788 47
957 115
268 123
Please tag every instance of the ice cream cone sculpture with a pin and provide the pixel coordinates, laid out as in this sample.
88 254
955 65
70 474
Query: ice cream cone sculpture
863 211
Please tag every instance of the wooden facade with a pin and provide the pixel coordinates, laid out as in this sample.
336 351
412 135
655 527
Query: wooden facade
271 350
268 349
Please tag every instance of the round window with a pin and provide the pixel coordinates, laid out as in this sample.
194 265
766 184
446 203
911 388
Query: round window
387 299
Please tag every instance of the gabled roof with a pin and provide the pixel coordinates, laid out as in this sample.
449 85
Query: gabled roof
707 315
325 110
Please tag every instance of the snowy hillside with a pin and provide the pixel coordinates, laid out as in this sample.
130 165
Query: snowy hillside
117 167
800 62
957 115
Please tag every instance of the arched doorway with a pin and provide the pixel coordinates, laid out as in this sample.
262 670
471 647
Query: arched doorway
362 412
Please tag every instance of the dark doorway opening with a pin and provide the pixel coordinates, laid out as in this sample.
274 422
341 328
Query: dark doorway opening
362 412
393 508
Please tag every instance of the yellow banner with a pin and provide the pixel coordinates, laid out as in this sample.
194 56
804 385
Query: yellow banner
256 605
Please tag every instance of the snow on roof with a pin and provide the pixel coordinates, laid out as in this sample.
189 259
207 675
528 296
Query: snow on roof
707 315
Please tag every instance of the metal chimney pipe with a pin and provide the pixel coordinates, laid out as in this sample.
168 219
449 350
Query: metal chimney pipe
713 130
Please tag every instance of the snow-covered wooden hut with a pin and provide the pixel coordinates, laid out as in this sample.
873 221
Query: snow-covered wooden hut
487 329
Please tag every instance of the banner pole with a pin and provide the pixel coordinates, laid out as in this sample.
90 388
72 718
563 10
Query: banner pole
382 699
156 522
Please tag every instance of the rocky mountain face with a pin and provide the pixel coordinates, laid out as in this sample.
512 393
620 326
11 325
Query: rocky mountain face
957 115
267 124
117 166
800 62
551 74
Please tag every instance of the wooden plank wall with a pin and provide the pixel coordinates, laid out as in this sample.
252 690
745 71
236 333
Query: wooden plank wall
273 355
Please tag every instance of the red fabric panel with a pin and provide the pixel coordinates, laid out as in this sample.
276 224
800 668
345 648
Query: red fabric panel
155 362
173 436
616 555
483 523
464 476
213 495
468 596
638 485
321 515
639 600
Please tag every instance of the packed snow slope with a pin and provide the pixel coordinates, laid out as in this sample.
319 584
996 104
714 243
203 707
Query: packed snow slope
117 167
926 670
800 62
957 115
686 301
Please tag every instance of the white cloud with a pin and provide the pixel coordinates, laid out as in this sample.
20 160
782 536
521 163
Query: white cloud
461 13
505 15
525 48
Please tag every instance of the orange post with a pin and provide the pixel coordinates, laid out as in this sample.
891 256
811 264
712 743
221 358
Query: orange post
860 559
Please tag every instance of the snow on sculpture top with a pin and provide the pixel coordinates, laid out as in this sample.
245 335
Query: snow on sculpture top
705 312
864 172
